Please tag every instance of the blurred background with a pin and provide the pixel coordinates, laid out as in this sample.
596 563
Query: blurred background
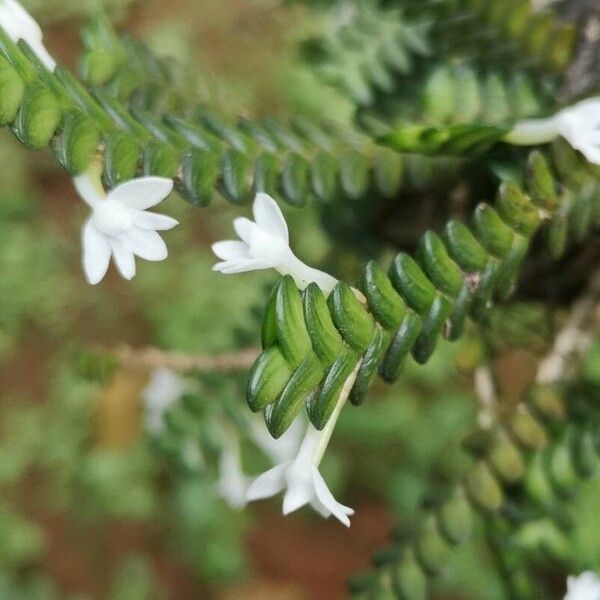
93 504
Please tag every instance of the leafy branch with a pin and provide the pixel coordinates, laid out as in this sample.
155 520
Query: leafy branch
201 153
528 462
311 345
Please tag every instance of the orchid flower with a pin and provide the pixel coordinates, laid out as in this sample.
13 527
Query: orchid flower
20 25
164 388
264 244
232 484
121 226
300 477
578 124
584 587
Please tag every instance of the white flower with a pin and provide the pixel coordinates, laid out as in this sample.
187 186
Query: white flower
302 481
121 226
300 477
584 587
579 125
164 389
20 25
232 484
265 245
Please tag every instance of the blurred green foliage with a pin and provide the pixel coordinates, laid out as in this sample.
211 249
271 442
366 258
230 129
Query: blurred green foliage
403 442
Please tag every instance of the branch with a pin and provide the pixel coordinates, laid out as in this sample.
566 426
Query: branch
150 358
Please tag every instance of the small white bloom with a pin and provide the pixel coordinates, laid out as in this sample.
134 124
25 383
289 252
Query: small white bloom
264 244
20 25
121 226
584 587
302 481
164 388
578 124
232 484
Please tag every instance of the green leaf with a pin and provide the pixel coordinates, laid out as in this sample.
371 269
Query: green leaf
121 158
496 236
442 270
323 174
350 316
411 283
384 302
326 341
323 404
78 143
268 377
38 118
354 174
199 175
235 180
464 247
294 179
12 90
289 317
302 383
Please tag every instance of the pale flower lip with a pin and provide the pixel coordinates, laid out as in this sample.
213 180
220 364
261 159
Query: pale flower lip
264 244
578 124
583 587
120 226
20 25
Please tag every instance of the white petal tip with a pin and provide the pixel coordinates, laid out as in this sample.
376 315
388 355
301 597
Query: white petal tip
255 493
218 268
264 197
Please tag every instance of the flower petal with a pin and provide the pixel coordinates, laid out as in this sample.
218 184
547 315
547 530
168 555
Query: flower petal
320 508
268 484
268 216
241 265
152 220
147 244
29 26
326 498
244 227
232 484
586 110
86 189
584 587
142 192
230 249
96 253
124 258
298 495
591 153
40 51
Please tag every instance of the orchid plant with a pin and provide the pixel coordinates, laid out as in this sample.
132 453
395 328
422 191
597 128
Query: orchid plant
433 128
